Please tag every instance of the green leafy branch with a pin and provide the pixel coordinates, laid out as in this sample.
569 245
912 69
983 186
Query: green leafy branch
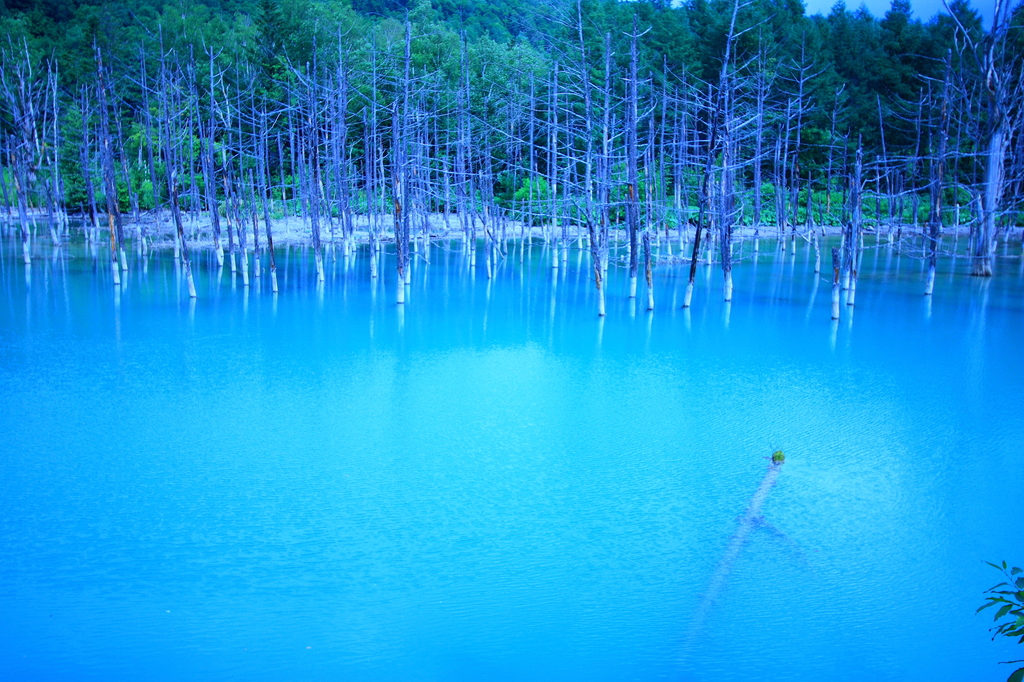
1008 596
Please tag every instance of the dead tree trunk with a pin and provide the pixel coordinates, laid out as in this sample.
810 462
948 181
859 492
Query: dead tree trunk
632 200
170 107
836 267
209 179
717 111
400 171
853 242
937 172
264 173
109 181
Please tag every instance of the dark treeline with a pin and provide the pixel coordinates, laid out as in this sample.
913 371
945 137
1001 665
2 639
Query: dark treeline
676 130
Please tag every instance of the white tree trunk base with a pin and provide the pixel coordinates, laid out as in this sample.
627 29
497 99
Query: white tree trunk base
191 282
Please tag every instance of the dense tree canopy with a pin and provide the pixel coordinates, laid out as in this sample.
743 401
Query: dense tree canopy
515 98
889 58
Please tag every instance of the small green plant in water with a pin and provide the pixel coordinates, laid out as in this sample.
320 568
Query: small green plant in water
778 457
1009 597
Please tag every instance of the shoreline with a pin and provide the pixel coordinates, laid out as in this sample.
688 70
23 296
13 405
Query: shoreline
294 232
290 230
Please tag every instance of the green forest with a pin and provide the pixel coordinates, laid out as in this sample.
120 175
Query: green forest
364 118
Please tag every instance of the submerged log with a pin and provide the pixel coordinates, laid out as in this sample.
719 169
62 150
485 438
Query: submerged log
748 522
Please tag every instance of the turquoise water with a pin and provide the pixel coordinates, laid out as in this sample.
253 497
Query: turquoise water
494 484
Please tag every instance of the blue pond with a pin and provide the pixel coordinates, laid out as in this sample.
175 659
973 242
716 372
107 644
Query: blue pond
494 484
